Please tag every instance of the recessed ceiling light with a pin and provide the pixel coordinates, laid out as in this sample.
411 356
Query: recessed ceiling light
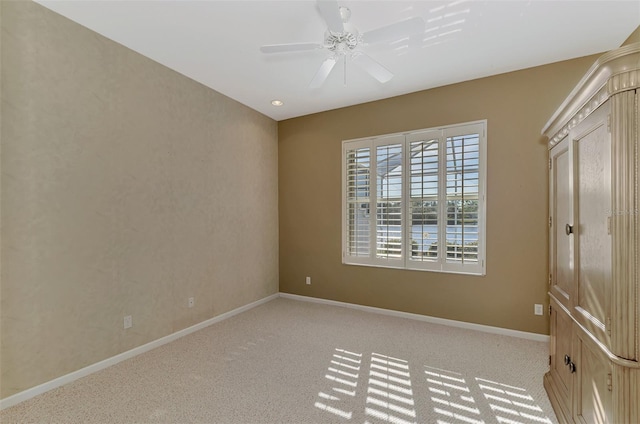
277 102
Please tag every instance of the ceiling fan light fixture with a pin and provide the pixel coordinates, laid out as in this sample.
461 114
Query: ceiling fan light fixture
341 42
277 102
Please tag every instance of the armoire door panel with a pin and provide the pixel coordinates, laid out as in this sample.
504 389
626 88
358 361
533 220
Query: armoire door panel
561 251
561 338
592 390
592 190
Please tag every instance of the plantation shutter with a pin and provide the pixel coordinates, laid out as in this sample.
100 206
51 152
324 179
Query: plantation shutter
416 200
463 202
389 196
358 189
424 205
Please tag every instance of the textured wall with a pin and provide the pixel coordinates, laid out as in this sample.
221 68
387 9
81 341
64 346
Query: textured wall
516 105
126 189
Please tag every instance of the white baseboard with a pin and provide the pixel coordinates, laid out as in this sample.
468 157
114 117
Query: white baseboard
68 378
433 320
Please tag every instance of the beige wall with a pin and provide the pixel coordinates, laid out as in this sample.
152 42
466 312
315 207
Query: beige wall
633 38
126 189
516 105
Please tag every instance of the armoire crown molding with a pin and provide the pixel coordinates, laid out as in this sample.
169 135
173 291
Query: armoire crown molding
614 72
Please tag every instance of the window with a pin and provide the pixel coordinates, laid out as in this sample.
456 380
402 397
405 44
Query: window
416 200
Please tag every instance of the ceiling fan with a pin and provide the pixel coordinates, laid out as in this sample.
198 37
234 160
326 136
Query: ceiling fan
343 41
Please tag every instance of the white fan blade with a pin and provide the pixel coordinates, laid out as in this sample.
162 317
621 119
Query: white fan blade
294 47
323 73
372 67
330 12
395 31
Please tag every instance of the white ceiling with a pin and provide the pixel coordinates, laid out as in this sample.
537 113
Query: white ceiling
217 42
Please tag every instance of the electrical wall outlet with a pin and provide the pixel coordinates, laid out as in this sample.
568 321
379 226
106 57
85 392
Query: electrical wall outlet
128 322
537 309
307 280
191 302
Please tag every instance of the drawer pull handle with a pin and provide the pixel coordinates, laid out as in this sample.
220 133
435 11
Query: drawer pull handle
567 360
568 229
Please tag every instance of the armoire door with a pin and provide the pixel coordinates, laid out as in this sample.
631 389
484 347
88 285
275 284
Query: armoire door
592 389
560 223
561 329
592 223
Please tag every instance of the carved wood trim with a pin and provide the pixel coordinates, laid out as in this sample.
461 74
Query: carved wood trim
624 213
636 241
614 72
625 387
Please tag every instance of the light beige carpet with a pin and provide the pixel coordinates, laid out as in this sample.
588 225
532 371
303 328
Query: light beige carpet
289 361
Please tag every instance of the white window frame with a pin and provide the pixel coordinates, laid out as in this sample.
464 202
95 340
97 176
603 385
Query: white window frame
441 263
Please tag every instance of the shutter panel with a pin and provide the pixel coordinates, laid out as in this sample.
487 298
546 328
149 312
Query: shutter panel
463 200
423 208
389 201
358 214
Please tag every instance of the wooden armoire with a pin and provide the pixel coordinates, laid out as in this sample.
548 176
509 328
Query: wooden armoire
594 374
